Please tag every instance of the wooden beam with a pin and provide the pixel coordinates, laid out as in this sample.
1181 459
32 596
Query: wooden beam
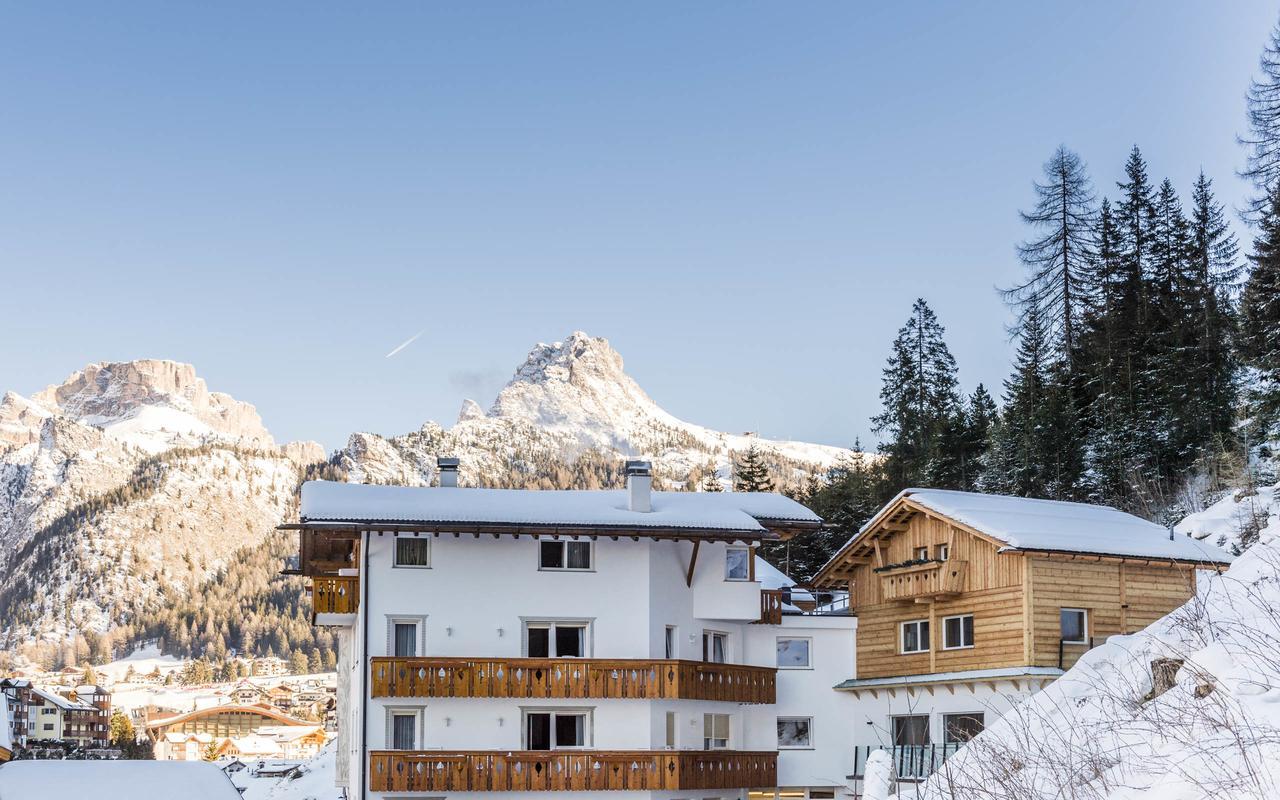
693 560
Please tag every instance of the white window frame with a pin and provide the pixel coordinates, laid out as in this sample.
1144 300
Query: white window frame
944 552
418 727
919 550
960 646
708 646
395 552
671 641
588 635
946 728
732 549
902 637
809 746
564 555
728 733
808 640
1084 625
419 636
588 724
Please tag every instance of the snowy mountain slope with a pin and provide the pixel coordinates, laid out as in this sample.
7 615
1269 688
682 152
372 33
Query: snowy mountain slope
1111 730
569 399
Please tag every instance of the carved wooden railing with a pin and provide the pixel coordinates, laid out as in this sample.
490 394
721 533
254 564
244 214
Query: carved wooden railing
571 678
334 595
924 580
771 606
569 770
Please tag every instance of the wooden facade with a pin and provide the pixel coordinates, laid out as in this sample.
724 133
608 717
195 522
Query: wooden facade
569 770
913 564
572 678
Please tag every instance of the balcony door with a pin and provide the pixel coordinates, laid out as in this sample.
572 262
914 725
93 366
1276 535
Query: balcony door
555 730
556 639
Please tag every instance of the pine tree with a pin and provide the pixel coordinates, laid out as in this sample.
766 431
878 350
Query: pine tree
963 444
1016 459
1263 166
846 497
711 482
751 474
121 727
919 398
1058 260
1260 326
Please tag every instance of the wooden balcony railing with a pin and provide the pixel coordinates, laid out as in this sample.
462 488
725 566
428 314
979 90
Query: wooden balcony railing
334 595
771 606
572 678
569 770
934 579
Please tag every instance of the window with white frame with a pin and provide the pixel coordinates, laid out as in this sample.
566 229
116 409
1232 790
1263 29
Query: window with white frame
669 641
404 728
715 731
922 554
556 639
911 729
794 653
737 564
914 637
960 728
404 636
413 551
957 632
795 733
944 552
715 647
1074 625
565 555
556 729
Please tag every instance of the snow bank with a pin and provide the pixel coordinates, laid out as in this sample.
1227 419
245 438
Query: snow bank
114 780
1108 730
315 782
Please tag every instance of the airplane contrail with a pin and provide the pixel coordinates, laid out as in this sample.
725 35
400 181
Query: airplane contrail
405 344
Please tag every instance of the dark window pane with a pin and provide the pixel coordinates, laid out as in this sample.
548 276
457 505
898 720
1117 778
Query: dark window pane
406 644
539 643
912 730
402 730
570 641
1073 625
552 555
579 555
570 730
968 631
413 552
539 731
962 727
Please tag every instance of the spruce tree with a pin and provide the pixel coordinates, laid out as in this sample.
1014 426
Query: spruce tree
751 474
1260 327
1017 459
919 398
711 482
1262 168
1058 259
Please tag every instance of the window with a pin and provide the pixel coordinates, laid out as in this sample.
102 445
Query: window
671 730
669 642
915 636
404 635
564 555
48 726
715 646
922 554
911 730
1074 625
402 728
962 727
737 564
555 730
795 732
944 552
957 632
413 551
715 731
793 653
555 639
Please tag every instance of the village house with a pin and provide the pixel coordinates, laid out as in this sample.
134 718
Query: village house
81 716
195 734
561 643
968 602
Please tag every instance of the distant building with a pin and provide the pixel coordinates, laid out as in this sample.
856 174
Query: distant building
187 736
82 716
270 666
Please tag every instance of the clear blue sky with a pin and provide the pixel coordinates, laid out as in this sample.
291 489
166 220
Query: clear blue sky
745 198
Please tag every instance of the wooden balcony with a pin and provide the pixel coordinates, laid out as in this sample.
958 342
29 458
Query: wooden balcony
334 595
572 678
569 770
923 581
771 606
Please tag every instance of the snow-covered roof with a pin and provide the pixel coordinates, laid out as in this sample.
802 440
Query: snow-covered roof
1025 523
115 780
62 702
951 677
327 501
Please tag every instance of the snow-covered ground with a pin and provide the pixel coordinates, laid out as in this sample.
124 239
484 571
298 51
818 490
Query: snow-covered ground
1105 731
315 783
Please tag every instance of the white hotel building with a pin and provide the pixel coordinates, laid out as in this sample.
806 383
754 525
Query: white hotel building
561 643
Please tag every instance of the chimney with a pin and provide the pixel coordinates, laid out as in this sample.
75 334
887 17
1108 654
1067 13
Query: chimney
448 469
639 484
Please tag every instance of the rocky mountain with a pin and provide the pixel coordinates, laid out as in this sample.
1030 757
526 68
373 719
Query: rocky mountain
131 495
571 406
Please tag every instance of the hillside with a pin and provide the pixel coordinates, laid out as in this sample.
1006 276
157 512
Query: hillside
1110 730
